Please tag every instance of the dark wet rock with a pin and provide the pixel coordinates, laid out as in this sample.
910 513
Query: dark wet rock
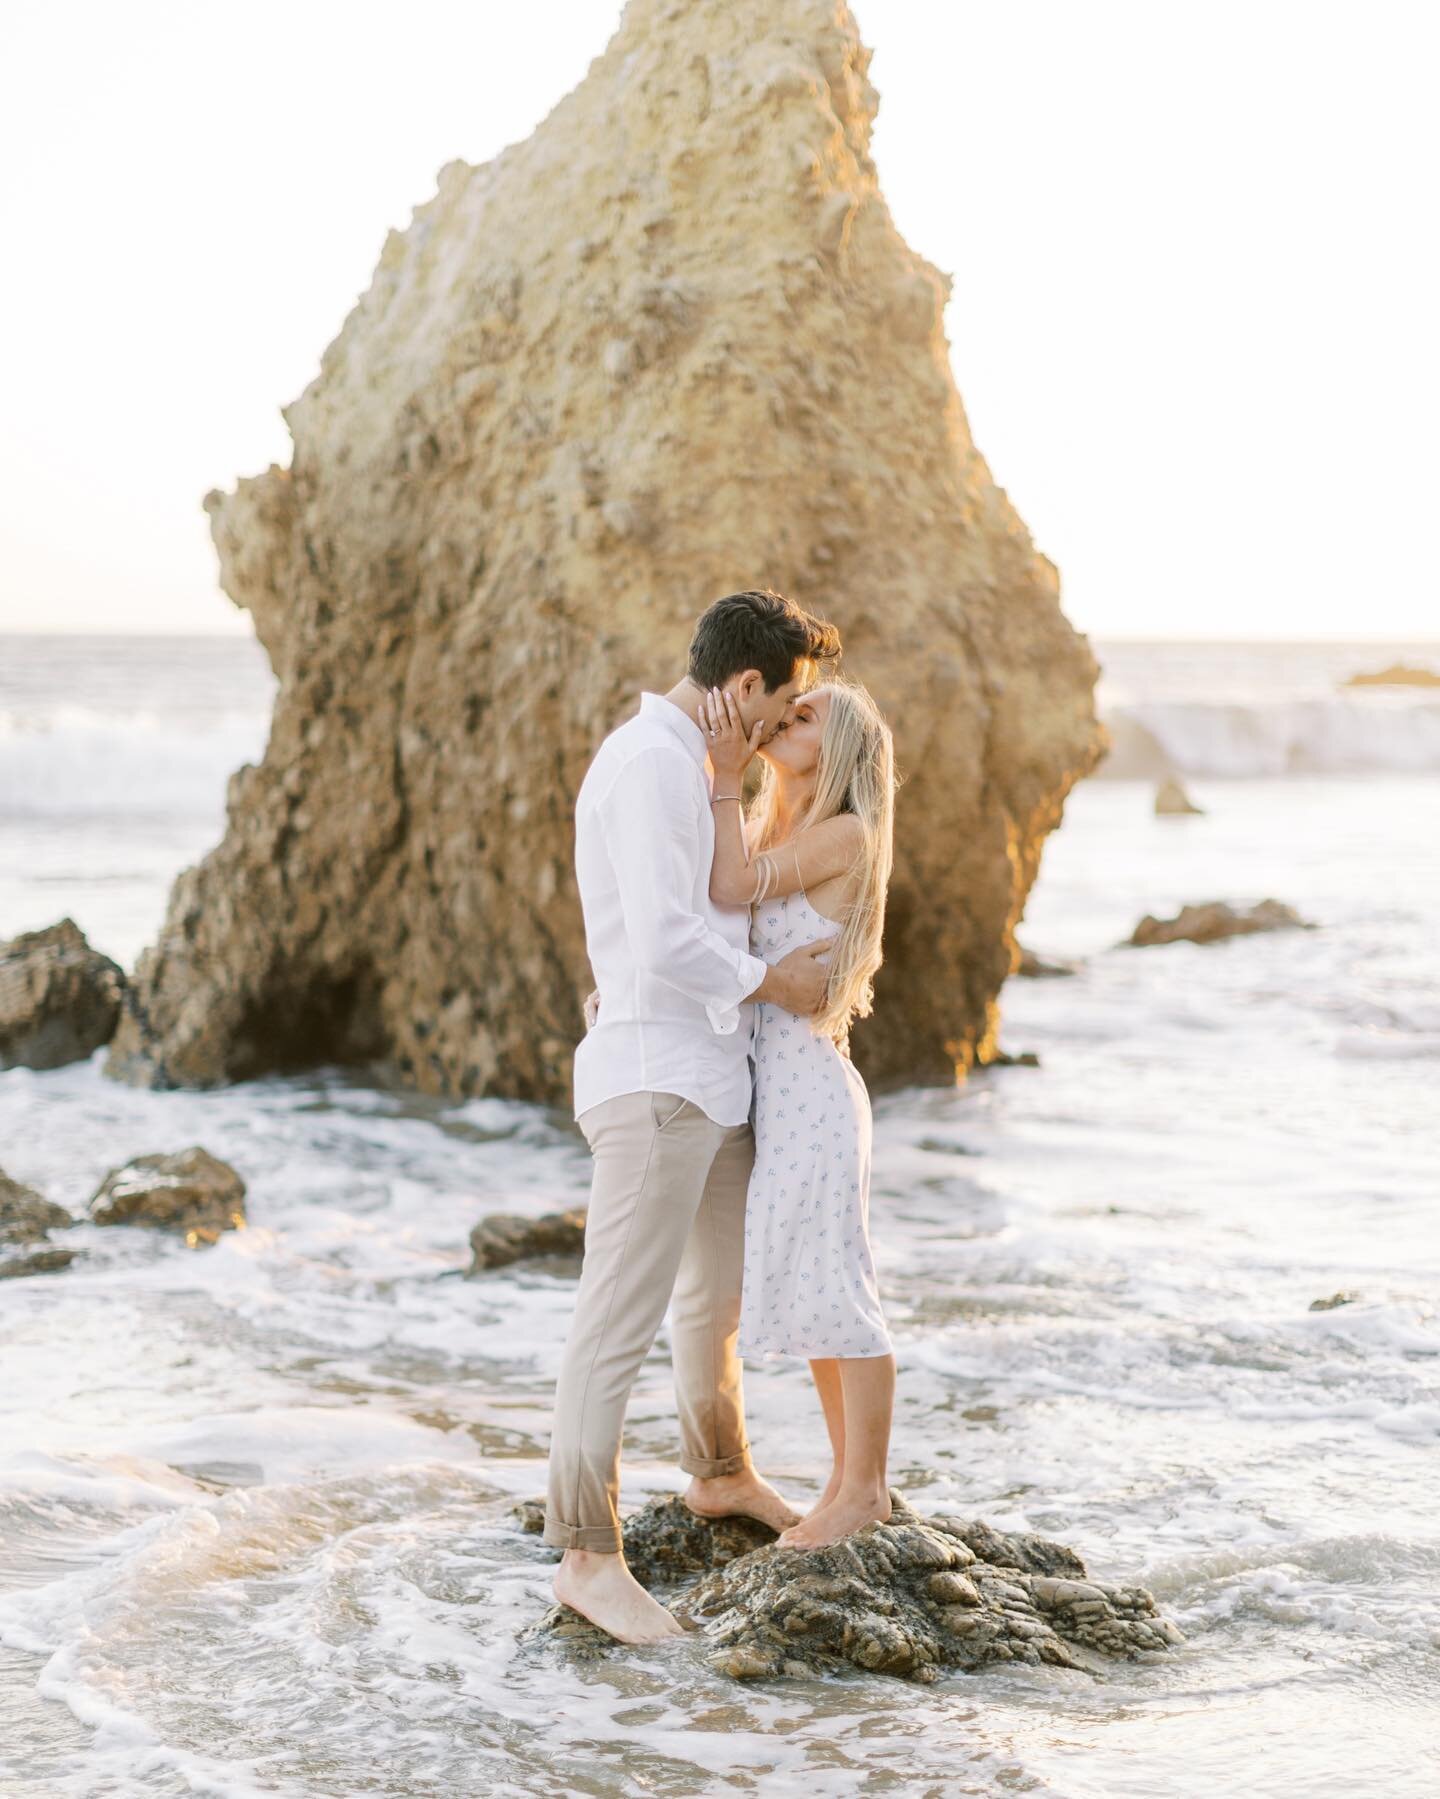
1171 800
914 1597
36 1261
188 1190
1001 1058
1037 968
25 1214
1215 919
59 999
1345 1298
506 1237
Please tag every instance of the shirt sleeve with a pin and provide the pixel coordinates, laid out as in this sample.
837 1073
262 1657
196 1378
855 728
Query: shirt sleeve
652 829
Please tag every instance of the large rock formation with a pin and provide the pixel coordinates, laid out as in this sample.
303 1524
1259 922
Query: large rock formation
669 346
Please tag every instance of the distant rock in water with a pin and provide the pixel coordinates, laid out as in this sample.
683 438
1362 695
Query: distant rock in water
506 1237
1037 968
26 1219
1344 1298
1171 798
59 999
25 1214
914 1597
189 1191
1398 674
1215 919
668 347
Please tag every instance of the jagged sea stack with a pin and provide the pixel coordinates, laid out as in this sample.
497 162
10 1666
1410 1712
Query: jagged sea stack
669 346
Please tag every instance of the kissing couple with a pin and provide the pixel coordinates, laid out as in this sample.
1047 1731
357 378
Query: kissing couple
730 1131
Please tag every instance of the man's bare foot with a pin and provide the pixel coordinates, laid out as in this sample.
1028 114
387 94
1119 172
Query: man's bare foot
744 1494
845 1514
601 1588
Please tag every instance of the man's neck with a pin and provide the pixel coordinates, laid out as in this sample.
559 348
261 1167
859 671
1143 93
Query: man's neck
687 696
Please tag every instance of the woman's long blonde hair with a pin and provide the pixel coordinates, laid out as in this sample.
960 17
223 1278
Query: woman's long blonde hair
856 773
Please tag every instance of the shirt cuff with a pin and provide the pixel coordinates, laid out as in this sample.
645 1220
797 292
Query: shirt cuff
724 1015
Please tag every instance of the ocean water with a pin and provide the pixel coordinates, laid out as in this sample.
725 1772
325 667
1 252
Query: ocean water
254 1499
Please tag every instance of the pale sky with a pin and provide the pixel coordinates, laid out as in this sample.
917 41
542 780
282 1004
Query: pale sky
1193 323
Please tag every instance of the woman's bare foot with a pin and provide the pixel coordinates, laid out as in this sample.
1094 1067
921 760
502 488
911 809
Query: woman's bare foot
832 1487
744 1494
601 1588
845 1514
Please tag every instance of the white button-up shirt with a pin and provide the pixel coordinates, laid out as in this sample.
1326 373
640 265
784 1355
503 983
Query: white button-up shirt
673 968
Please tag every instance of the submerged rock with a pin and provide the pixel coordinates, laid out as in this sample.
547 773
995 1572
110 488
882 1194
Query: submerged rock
505 1237
59 999
26 1219
188 1190
49 1260
1037 968
1343 1298
670 346
1171 799
1215 919
913 1597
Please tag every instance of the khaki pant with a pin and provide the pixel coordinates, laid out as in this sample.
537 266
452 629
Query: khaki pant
667 1215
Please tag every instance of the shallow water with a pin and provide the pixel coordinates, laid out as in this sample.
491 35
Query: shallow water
254 1499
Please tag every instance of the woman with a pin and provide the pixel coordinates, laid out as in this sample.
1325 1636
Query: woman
814 853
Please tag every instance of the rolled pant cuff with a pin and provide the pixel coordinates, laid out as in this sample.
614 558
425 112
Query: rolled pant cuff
602 1537
730 1464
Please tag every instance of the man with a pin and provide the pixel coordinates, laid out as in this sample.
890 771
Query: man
663 1085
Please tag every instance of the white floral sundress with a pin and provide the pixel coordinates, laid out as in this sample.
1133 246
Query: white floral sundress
809 1286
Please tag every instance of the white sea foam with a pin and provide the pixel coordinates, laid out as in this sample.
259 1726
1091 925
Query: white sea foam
1369 734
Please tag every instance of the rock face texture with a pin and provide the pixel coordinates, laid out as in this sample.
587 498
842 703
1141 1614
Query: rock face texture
59 999
669 346
913 1597
187 1190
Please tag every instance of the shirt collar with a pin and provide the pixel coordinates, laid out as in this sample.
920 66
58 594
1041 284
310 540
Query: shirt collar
656 706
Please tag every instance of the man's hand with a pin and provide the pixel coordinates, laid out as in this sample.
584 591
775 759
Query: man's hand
592 1008
798 982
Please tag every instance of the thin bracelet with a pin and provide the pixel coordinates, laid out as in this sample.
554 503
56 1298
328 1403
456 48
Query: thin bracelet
716 798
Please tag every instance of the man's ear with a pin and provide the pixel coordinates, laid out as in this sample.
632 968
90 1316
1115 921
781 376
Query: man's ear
750 685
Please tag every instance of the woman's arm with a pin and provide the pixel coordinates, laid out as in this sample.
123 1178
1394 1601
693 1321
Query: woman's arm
812 856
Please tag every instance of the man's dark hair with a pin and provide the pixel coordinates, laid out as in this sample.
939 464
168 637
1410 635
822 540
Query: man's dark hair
760 630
